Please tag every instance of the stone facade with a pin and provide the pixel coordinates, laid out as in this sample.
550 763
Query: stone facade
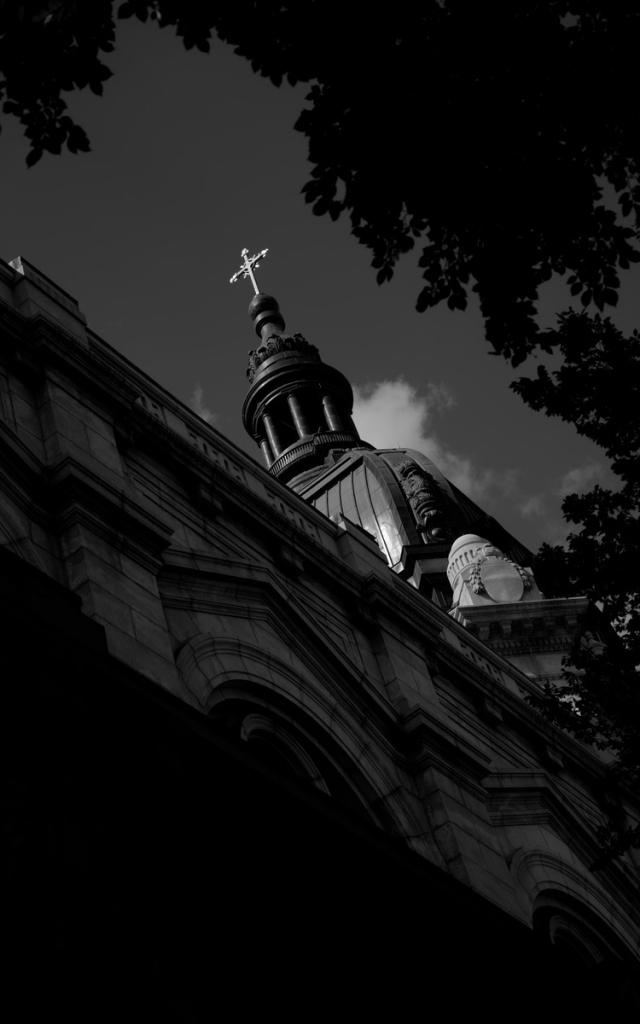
289 638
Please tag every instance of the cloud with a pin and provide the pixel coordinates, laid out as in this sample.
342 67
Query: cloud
546 508
197 404
533 506
391 414
576 481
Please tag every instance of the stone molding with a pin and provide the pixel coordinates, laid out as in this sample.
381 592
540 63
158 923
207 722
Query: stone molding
540 871
216 669
308 447
435 743
77 495
548 624
277 343
263 598
259 724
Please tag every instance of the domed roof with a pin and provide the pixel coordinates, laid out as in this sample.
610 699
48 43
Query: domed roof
467 539
299 411
481 574
375 490
466 548
400 497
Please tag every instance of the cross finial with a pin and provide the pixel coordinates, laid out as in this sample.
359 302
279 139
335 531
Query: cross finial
248 263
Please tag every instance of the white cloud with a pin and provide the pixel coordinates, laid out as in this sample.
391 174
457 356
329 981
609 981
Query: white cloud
391 414
576 481
533 506
197 404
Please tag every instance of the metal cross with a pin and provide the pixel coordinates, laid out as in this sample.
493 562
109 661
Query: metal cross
246 270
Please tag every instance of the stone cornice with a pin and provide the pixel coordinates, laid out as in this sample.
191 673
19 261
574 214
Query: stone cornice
524 625
393 600
184 584
389 599
14 325
432 742
535 798
22 472
78 495
518 713
531 645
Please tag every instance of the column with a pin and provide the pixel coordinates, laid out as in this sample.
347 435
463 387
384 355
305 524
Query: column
272 434
266 451
300 420
331 413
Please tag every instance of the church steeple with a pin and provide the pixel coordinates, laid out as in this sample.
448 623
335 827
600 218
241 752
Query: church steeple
298 409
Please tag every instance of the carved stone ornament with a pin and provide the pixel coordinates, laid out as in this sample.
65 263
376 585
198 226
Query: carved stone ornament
280 343
475 579
494 574
424 496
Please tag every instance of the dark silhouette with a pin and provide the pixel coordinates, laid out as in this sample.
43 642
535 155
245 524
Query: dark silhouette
598 389
483 132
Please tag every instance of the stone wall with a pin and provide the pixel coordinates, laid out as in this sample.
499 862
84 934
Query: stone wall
287 630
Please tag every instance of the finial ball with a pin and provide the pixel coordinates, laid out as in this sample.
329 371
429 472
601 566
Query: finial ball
260 303
263 310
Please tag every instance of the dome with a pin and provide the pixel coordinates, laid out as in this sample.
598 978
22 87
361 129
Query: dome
299 412
467 549
397 495
480 573
467 538
403 500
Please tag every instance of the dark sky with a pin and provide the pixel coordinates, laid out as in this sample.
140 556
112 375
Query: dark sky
193 158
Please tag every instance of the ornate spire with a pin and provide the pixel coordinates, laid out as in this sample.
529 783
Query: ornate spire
263 309
298 409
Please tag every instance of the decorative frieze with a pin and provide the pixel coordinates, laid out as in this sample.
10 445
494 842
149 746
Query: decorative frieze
280 343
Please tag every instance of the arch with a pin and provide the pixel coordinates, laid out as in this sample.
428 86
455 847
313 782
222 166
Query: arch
226 671
589 952
573 941
260 727
567 921
551 882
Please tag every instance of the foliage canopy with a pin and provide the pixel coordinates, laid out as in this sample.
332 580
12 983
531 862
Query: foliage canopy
597 388
493 127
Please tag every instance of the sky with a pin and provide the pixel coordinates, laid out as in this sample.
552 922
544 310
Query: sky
193 158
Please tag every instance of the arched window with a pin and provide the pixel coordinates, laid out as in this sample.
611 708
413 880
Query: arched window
586 950
573 943
278 748
287 748
273 756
